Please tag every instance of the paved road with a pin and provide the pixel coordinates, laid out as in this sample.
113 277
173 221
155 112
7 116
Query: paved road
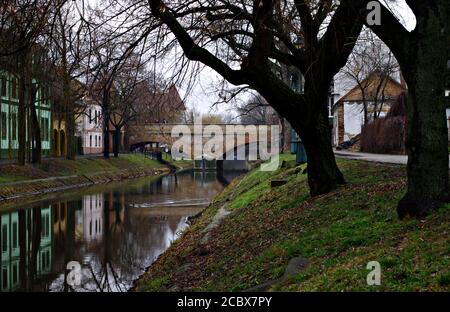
383 158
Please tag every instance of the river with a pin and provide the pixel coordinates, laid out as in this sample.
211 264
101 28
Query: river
101 238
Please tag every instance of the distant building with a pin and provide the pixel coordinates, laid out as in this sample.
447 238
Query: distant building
348 111
9 112
90 127
161 107
59 135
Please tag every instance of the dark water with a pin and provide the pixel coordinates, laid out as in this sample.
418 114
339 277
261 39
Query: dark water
112 233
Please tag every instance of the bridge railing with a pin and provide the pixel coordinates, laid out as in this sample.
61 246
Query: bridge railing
155 155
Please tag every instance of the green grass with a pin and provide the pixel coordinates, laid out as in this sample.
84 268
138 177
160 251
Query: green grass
339 233
183 164
81 166
10 178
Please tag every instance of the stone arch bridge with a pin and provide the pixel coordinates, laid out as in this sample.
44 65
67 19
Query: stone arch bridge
236 140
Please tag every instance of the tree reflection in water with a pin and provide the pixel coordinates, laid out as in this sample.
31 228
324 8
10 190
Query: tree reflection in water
114 235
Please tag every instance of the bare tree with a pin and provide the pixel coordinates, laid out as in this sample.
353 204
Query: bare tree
70 52
246 42
23 24
370 67
254 111
104 69
129 90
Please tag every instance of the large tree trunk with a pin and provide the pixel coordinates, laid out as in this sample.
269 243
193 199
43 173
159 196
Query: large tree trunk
105 112
69 103
315 133
427 139
126 138
22 116
71 142
36 143
116 141
323 172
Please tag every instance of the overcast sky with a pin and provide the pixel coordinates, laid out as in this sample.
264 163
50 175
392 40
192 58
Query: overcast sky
203 94
203 97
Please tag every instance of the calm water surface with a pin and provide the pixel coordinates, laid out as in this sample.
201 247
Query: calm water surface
113 233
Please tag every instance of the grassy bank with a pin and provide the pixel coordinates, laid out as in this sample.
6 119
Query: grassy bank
338 233
180 164
59 174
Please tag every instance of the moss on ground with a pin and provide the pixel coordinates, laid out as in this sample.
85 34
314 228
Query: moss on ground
339 233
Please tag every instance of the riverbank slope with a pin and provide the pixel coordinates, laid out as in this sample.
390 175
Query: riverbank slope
61 174
251 231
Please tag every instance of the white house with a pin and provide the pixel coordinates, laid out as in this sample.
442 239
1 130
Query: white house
89 127
92 217
348 111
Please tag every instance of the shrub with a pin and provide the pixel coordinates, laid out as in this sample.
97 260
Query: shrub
387 134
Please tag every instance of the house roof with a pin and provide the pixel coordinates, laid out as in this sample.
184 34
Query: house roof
371 85
169 100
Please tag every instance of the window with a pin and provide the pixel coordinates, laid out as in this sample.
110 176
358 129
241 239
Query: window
42 129
3 128
5 278
45 133
90 140
47 257
95 120
90 115
44 260
3 86
4 238
295 83
15 273
45 231
14 126
100 141
15 235
14 88
46 129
